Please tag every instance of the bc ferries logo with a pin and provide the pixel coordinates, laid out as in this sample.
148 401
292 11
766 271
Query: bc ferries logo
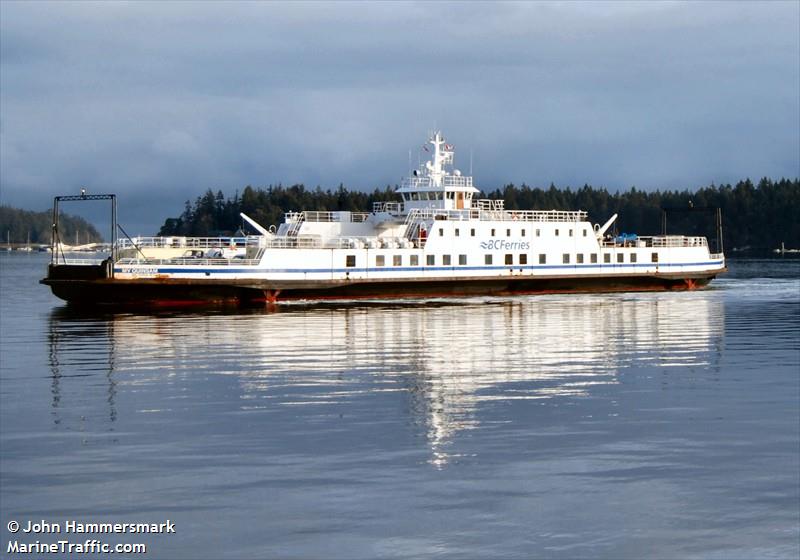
503 244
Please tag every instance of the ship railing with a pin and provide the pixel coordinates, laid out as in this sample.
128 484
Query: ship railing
489 204
656 241
189 262
325 216
63 259
533 215
678 241
390 207
295 242
188 242
427 182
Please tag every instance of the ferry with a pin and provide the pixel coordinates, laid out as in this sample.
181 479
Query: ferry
437 240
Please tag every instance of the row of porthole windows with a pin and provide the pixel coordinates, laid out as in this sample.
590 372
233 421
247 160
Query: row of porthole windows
522 258
522 232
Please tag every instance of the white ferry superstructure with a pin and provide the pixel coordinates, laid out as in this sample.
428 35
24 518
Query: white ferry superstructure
438 240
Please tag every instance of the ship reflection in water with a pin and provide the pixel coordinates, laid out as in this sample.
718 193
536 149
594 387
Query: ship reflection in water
446 362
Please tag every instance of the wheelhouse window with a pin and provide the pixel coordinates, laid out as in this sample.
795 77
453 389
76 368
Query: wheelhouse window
350 261
509 258
462 259
380 260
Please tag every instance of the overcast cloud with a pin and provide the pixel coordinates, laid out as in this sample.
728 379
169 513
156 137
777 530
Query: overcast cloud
160 101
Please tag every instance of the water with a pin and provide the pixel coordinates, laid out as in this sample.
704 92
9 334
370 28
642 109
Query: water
625 425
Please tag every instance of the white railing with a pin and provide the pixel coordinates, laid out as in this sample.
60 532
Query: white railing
489 204
678 241
390 207
295 242
657 241
63 259
189 262
427 182
325 216
179 242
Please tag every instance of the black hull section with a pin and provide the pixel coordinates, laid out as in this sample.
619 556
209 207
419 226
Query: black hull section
175 293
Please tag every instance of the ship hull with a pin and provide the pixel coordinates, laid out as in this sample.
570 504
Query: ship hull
185 292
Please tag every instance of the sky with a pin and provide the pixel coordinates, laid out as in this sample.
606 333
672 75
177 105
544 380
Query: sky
160 101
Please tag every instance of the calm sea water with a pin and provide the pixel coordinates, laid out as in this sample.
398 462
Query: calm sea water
626 425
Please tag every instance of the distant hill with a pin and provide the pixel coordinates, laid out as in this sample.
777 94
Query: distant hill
17 224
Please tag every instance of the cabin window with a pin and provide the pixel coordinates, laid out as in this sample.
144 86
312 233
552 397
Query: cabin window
584 233
570 233
430 260
446 260
462 259
492 232
472 232
654 257
414 196
508 233
509 258
380 260
441 232
607 258
414 260
397 260
523 233
542 258
538 232
579 258
457 232
487 259
633 257
350 261
620 257
523 259
556 232
565 259
593 258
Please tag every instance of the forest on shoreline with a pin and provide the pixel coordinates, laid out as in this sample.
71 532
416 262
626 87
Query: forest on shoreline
756 216
20 227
